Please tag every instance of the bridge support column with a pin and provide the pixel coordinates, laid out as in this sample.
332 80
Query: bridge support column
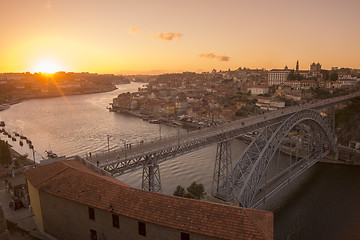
151 178
221 178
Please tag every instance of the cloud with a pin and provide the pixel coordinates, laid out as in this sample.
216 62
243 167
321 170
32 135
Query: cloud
169 36
134 30
223 58
207 55
211 56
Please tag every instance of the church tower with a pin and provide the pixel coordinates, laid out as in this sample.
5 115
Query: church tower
297 66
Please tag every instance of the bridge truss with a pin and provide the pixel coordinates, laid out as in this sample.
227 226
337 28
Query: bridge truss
245 180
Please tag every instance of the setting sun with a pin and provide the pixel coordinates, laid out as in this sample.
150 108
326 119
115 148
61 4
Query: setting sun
47 67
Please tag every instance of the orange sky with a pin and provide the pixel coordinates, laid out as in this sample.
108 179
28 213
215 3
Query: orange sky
142 36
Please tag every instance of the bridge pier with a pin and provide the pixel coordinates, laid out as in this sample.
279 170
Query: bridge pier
223 164
151 178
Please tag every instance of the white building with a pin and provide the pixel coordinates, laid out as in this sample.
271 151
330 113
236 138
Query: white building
269 104
256 90
294 84
277 77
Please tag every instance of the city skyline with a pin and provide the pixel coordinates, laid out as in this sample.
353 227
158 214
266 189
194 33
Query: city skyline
160 37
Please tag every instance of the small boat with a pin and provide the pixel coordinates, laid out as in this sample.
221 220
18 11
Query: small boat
9 135
31 146
22 137
16 134
2 124
28 141
154 121
14 139
51 154
21 143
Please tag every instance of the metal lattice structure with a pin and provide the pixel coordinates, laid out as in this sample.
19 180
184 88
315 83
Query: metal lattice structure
249 171
222 170
151 178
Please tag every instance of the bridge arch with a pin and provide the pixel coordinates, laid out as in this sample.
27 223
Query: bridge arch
247 174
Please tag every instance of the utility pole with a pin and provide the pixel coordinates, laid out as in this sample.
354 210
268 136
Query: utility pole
124 142
34 156
160 130
108 140
178 135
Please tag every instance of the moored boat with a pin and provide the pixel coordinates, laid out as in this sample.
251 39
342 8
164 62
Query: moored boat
154 121
50 154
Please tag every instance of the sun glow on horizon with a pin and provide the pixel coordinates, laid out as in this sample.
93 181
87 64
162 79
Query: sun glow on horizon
47 67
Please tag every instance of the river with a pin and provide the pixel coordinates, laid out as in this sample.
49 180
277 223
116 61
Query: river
324 203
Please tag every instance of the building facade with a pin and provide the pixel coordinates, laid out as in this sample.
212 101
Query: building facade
256 90
277 77
71 201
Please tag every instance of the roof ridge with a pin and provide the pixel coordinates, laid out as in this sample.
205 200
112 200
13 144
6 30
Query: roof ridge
67 167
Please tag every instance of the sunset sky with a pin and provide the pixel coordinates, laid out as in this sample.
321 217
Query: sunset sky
158 36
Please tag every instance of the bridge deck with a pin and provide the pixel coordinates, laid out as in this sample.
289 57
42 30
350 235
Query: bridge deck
184 143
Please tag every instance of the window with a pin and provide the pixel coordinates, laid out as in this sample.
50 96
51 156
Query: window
93 235
115 220
185 236
91 213
142 228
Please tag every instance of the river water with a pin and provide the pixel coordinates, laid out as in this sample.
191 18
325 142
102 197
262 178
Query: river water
324 203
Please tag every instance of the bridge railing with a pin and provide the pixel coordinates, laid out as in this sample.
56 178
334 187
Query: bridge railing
184 137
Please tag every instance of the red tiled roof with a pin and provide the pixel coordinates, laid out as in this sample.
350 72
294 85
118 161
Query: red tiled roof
74 181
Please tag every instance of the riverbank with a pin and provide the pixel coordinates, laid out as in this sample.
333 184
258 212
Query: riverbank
343 157
20 97
341 161
160 120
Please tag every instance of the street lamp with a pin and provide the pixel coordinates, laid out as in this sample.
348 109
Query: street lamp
108 140
124 142
178 135
160 130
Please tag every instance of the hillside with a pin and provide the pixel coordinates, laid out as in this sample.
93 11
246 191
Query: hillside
348 122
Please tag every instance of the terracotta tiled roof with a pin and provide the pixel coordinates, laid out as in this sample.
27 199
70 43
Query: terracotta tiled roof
74 181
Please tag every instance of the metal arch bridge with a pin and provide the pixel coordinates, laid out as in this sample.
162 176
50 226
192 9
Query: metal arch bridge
241 183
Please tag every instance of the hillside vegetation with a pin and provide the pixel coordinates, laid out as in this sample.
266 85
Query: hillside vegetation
347 121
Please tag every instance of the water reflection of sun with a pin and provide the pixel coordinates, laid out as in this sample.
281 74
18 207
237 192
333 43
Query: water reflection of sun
47 67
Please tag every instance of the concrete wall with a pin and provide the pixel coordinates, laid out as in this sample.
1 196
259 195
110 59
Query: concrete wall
35 204
65 219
